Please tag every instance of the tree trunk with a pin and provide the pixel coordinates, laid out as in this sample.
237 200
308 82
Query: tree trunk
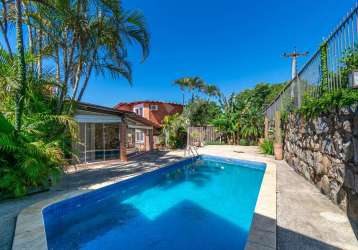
21 92
77 77
88 75
39 63
58 70
85 83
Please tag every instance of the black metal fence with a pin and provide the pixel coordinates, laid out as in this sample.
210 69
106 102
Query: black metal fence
329 66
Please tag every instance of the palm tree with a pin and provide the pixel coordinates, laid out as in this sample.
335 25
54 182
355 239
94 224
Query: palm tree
107 44
198 84
22 68
89 36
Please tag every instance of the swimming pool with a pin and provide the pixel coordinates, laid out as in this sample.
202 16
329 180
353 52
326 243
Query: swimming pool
200 203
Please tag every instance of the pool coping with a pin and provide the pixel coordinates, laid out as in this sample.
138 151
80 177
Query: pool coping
30 229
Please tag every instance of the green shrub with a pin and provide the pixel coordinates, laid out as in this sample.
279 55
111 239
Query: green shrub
312 107
214 143
267 147
244 142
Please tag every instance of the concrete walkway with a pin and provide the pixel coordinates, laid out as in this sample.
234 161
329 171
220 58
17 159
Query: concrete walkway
305 218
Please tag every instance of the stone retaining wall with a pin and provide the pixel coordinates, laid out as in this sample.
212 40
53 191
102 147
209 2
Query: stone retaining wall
325 151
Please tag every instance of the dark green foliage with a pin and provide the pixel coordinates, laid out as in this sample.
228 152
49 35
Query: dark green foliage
244 142
214 143
174 131
266 147
334 99
324 67
201 112
33 155
242 114
312 107
25 163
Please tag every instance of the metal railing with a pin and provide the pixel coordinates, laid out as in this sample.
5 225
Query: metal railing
342 52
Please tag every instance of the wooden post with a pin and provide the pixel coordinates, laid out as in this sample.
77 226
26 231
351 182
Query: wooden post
123 140
266 128
148 140
278 139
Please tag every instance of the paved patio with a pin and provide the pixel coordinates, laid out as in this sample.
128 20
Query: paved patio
305 218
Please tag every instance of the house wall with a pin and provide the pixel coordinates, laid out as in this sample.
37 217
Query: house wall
104 137
155 116
325 151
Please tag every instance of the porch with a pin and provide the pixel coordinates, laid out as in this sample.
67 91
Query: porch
108 134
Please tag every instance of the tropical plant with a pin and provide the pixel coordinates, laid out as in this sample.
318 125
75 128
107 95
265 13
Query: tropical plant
79 38
34 154
174 131
196 84
266 147
242 115
200 112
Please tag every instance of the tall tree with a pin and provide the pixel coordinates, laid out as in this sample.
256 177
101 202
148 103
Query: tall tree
22 68
199 85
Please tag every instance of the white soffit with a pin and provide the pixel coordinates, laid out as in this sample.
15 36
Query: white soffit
99 118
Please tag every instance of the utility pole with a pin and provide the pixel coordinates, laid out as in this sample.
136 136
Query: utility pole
294 55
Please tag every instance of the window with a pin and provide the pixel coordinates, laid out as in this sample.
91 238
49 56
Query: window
138 111
154 107
139 136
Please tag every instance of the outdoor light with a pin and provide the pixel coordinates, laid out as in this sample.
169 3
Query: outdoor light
353 79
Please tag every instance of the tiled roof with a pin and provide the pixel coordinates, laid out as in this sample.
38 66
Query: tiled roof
107 110
146 101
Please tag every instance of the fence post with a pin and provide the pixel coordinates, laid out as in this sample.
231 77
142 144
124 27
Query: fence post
324 67
299 95
278 139
266 127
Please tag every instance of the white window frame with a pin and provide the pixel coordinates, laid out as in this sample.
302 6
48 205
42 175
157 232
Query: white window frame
139 111
154 107
139 136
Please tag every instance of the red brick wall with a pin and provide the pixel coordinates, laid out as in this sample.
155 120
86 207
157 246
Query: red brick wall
164 110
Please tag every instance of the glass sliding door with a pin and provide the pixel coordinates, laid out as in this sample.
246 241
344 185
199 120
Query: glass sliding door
97 142
111 141
91 141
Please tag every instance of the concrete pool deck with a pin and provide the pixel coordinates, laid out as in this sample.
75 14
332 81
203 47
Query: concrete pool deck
302 223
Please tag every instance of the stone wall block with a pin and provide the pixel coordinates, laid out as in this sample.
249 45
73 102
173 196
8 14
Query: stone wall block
347 127
355 150
325 151
325 185
348 151
323 165
349 178
327 146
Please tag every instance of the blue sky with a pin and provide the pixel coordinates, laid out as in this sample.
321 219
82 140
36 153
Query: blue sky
232 43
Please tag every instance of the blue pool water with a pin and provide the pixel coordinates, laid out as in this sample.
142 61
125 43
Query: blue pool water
201 203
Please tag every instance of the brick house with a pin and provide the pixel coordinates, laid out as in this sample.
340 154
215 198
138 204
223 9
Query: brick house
154 111
107 133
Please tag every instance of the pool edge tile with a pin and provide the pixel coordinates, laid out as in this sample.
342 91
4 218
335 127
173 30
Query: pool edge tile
30 229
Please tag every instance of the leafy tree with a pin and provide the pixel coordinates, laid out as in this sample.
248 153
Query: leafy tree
174 131
242 115
79 38
201 112
30 156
